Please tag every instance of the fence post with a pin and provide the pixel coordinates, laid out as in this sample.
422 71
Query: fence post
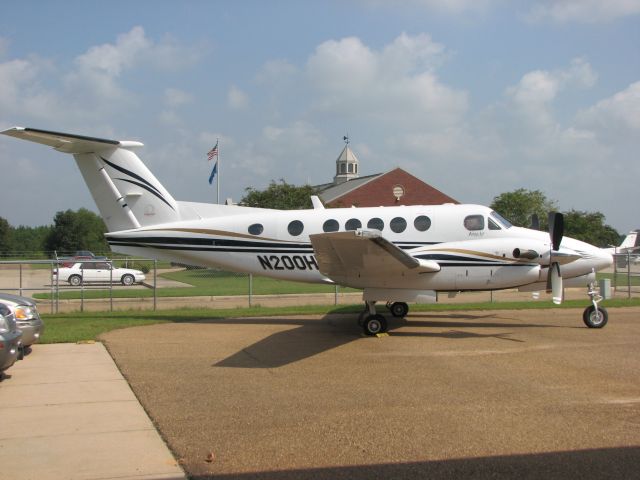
110 286
51 277
20 279
335 296
250 290
628 274
155 283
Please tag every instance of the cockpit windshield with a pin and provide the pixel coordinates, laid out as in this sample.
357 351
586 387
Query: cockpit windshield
501 220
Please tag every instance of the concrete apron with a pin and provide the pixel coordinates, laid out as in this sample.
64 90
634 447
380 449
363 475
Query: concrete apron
67 413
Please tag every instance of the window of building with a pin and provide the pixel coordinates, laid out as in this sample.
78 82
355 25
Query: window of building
295 228
351 168
375 224
398 224
256 229
474 222
353 224
330 225
343 168
422 223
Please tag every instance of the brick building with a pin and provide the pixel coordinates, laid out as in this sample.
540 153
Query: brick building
395 187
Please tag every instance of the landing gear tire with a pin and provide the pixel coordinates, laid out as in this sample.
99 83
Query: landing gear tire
399 309
595 318
374 324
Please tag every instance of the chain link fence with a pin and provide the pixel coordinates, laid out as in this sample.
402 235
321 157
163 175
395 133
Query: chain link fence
108 284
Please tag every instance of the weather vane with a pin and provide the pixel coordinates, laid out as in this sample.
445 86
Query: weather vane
346 139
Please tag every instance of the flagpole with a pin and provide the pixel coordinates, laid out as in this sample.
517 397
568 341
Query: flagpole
218 181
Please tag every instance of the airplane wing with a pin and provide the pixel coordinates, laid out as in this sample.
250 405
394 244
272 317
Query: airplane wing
343 254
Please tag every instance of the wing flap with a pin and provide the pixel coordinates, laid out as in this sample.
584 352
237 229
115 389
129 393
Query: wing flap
341 254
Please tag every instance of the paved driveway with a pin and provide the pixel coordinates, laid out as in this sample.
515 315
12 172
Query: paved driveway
527 394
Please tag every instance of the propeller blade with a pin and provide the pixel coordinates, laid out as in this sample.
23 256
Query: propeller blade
556 229
535 222
554 283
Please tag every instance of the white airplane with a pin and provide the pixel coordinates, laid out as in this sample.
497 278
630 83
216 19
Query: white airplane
394 254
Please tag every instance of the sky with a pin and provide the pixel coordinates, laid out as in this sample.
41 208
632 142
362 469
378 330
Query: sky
475 97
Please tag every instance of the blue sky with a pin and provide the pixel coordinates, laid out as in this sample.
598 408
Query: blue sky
474 97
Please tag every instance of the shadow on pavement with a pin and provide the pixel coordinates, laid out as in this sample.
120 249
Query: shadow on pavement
605 463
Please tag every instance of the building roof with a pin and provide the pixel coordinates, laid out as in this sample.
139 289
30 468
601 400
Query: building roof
381 190
330 191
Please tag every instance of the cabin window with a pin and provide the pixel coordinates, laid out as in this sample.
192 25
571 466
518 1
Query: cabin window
398 224
353 224
422 223
330 225
375 224
474 222
295 228
493 225
256 229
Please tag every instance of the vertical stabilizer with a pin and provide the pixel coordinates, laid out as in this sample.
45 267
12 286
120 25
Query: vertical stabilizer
127 194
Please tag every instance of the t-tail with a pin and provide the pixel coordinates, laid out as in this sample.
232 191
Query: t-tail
127 194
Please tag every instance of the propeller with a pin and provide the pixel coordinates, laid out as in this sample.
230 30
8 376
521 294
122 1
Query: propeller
535 222
554 277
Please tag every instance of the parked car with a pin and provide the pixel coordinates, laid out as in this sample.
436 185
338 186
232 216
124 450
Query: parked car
10 339
79 255
97 272
26 316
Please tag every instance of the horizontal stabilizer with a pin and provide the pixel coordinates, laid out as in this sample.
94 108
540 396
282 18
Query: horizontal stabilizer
67 142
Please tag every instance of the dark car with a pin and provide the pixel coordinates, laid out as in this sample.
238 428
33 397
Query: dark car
10 339
26 317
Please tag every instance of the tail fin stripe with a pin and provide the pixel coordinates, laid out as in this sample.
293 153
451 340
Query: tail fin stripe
131 174
153 192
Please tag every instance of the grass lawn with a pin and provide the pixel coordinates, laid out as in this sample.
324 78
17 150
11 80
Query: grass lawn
75 327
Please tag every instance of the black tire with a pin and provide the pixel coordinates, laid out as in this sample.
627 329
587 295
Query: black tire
374 324
593 320
127 280
399 309
75 280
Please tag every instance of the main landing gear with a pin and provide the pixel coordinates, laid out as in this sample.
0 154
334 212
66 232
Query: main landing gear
594 316
373 323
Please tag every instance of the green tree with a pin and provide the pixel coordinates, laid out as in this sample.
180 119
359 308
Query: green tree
80 230
282 195
590 227
5 236
30 239
519 206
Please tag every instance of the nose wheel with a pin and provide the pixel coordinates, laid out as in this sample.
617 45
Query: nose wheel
594 316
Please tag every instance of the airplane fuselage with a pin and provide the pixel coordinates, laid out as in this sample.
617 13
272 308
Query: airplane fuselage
474 246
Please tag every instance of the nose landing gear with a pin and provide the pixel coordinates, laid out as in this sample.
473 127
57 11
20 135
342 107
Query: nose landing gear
594 316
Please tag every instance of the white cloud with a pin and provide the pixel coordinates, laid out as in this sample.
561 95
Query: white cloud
618 114
536 90
452 7
237 99
395 84
582 11
276 71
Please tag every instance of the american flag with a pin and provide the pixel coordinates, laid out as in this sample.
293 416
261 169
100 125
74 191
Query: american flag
213 152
